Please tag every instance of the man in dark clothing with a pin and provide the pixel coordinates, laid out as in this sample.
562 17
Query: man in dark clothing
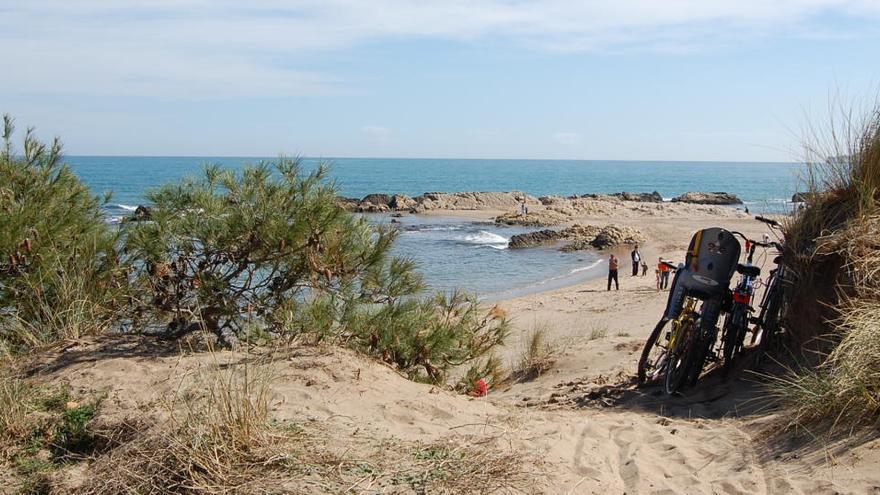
636 258
612 272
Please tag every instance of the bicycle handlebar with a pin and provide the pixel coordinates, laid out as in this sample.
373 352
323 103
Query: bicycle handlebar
768 221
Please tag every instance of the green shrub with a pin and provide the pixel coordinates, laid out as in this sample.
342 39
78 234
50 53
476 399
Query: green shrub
425 337
269 252
269 244
59 273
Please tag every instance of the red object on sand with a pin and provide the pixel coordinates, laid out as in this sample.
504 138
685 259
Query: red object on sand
480 388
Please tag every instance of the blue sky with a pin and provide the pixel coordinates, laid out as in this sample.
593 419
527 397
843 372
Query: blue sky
633 79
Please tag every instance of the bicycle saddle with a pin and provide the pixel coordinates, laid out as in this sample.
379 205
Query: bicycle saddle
750 270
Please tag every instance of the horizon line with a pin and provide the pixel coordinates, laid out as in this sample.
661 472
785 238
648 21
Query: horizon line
432 158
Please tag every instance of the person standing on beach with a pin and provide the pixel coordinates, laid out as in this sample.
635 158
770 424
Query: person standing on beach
636 258
612 272
644 268
664 269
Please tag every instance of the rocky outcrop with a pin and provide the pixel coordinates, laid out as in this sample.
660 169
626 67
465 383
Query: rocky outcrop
532 239
708 198
401 202
541 218
652 197
615 235
377 203
474 201
580 237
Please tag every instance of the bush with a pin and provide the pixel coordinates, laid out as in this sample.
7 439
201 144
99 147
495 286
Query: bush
59 273
270 252
269 244
425 337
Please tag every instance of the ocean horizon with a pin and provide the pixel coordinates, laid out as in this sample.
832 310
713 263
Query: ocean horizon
453 252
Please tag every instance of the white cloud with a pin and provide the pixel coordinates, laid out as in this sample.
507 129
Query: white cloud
227 48
567 138
377 134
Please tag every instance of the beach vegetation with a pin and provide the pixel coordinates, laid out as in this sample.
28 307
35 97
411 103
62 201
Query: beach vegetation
833 247
60 276
537 355
269 252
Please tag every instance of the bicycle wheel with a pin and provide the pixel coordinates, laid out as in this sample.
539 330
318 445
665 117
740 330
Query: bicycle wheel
770 324
652 363
732 337
680 357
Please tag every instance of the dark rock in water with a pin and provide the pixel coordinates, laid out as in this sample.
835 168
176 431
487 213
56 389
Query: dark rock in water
141 213
396 215
394 220
800 197
532 239
708 198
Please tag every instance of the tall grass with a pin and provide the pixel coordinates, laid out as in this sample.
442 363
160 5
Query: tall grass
833 248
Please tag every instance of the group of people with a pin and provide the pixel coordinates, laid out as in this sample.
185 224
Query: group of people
661 272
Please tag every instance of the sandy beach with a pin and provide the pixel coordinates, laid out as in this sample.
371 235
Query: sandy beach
581 427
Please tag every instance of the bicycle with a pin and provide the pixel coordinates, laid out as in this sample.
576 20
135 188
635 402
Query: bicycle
704 277
772 305
736 322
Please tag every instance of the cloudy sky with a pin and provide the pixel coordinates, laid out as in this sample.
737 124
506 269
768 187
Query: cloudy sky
628 79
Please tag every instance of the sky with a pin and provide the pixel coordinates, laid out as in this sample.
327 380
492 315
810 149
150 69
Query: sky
557 79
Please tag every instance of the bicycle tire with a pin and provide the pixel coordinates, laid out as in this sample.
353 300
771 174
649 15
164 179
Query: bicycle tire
732 337
679 363
650 345
770 325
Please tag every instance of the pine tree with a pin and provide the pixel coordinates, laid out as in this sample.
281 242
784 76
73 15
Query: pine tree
59 273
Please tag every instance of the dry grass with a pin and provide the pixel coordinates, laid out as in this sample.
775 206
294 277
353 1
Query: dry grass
538 355
214 436
833 248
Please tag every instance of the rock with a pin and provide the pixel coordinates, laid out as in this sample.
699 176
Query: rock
532 239
401 202
653 197
474 201
614 235
595 237
377 199
348 204
708 198
541 218
142 213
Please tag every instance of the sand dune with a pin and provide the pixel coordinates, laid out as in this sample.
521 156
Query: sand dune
583 427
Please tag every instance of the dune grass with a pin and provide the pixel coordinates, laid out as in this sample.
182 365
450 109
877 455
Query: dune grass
537 356
833 248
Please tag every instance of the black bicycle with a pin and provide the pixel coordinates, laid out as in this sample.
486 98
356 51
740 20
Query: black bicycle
769 323
739 310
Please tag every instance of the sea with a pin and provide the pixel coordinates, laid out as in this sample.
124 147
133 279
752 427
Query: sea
454 253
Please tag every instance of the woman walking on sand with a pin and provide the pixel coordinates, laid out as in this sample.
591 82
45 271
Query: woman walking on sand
612 272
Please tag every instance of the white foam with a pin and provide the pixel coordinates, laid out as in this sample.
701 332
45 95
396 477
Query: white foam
483 237
125 207
583 268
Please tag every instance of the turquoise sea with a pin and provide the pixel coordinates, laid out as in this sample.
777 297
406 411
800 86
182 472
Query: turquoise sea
453 252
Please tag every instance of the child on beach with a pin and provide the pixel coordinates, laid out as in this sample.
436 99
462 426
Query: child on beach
644 268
